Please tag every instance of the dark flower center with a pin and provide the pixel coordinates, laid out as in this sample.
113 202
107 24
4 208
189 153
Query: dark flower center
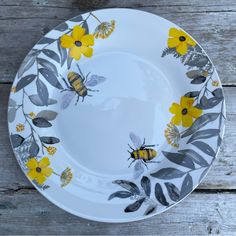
38 169
78 43
184 111
182 38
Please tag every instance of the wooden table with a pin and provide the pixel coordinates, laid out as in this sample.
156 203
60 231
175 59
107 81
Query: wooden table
211 209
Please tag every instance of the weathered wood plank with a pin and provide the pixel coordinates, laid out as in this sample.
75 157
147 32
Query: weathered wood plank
173 6
210 23
27 212
221 176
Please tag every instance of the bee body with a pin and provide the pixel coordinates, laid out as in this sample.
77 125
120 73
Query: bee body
77 83
144 154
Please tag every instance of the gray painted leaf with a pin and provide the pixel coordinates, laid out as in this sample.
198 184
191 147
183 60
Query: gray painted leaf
206 103
120 194
26 65
52 101
218 93
11 114
12 102
48 65
69 61
204 147
49 140
41 123
204 134
192 94
62 27
34 149
77 18
173 191
50 77
199 80
47 114
168 173
134 206
199 123
197 158
146 185
151 209
187 186
128 186
37 101
160 195
192 74
42 92
62 52
51 54
45 40
85 26
179 159
24 81
16 140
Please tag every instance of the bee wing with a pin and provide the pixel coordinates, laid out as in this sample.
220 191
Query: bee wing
135 140
138 169
94 80
66 99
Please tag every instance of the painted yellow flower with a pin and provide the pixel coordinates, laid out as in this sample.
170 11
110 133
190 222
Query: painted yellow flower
32 115
51 150
39 171
104 30
78 43
66 177
172 135
20 127
184 112
215 83
180 40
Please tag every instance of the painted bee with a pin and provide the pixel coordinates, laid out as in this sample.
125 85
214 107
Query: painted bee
79 85
142 154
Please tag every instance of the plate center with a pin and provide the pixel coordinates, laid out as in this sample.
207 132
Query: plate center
134 97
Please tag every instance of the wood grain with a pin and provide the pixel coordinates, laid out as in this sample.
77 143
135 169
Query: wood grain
221 176
27 21
27 212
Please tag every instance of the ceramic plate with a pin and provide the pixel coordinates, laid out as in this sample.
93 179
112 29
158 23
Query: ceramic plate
116 115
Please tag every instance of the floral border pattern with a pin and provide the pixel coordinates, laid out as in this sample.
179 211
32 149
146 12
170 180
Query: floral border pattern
193 116
29 146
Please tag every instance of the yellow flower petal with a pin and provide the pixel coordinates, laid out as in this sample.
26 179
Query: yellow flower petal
187 120
40 179
46 171
173 42
32 163
176 119
186 102
44 162
75 53
182 48
87 40
32 174
173 32
175 108
190 41
67 41
88 52
194 112
78 32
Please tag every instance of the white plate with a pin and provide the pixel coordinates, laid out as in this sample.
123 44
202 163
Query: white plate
126 130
